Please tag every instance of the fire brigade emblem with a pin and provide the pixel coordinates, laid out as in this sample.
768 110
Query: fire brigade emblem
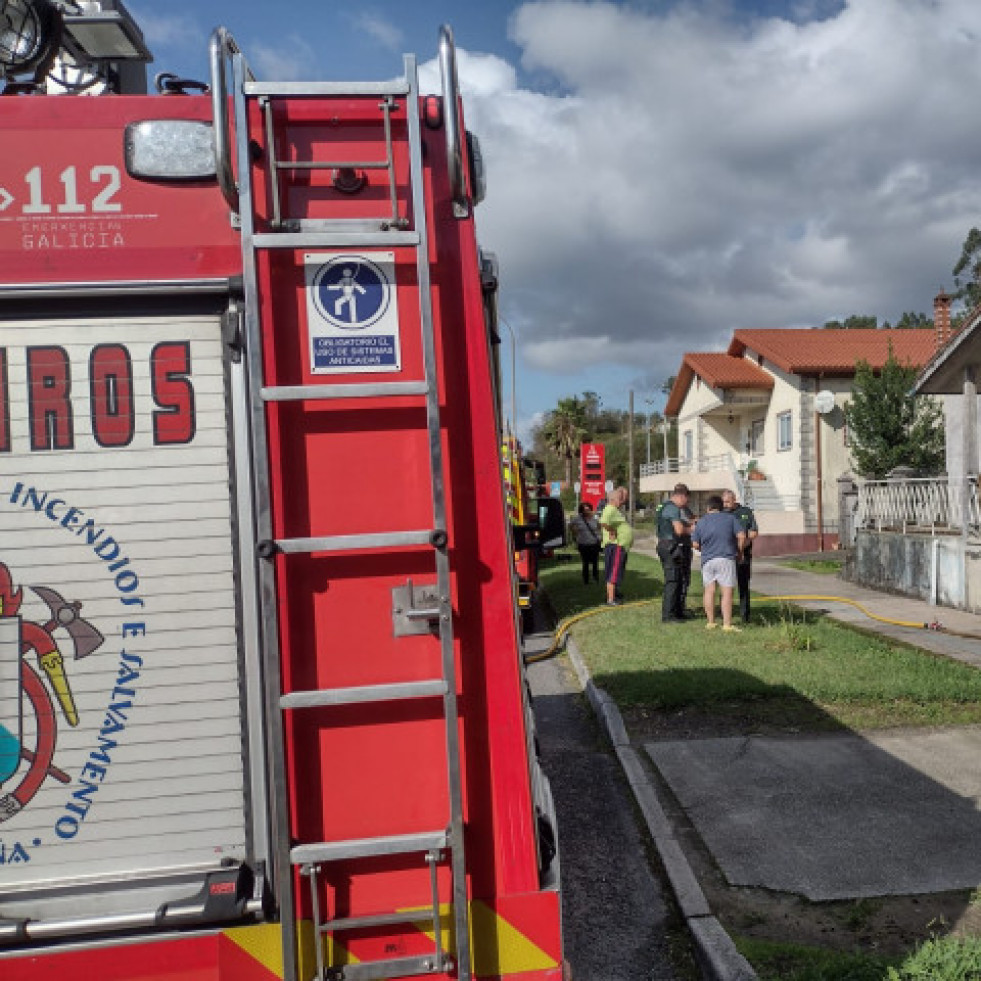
33 671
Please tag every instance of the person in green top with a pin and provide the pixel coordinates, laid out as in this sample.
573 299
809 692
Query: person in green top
618 536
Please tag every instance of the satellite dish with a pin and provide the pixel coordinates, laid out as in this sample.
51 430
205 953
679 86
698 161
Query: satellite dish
824 402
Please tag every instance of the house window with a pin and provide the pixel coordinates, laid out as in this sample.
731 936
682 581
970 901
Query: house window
785 433
756 437
689 445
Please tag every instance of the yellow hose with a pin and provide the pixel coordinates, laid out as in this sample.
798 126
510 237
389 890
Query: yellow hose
917 625
563 627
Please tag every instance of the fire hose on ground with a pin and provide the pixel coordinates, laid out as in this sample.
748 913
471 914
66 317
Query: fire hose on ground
565 625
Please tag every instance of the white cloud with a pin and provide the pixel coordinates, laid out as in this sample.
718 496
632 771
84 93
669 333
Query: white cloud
689 173
289 59
164 29
527 425
383 31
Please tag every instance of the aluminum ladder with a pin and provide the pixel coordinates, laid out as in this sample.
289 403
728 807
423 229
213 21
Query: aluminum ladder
393 231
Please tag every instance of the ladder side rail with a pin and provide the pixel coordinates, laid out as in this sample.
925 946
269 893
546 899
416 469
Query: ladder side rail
262 833
282 873
451 711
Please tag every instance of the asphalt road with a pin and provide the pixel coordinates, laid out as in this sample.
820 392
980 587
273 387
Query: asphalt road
618 925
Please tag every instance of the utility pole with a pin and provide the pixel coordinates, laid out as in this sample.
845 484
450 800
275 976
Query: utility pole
650 425
630 457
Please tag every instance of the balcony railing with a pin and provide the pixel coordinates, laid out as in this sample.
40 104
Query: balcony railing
674 464
934 504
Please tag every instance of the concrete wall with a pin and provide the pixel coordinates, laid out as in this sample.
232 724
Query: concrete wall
940 568
954 428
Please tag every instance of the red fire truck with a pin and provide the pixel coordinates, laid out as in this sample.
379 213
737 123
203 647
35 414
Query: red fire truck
262 710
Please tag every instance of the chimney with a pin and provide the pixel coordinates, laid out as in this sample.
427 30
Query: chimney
941 318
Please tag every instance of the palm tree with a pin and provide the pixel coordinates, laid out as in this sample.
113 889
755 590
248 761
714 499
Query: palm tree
564 431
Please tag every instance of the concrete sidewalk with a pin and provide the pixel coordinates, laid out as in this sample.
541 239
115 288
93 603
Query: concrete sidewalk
833 816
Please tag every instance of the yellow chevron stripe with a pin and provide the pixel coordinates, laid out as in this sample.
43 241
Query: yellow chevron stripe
496 947
264 943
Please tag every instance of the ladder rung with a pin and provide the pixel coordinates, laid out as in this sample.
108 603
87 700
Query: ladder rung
325 240
298 89
398 967
380 919
331 164
352 543
297 393
339 851
363 693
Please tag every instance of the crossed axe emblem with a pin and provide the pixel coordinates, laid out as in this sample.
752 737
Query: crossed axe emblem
85 639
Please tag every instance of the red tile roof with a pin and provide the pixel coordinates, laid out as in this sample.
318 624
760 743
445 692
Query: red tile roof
721 371
832 351
798 351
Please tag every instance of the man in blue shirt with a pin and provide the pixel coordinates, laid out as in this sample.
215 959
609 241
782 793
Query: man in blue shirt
720 540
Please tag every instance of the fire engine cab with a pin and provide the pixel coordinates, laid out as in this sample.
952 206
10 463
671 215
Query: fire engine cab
262 706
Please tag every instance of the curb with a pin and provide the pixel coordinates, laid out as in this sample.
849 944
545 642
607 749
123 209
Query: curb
717 954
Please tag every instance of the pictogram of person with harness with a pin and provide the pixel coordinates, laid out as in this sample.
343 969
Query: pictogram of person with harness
20 680
347 285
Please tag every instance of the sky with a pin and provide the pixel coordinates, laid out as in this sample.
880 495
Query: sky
663 172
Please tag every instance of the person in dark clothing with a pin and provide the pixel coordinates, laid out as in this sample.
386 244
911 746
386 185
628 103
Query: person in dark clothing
744 567
585 528
674 551
687 554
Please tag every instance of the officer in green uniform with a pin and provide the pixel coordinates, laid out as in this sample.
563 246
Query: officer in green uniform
744 566
673 543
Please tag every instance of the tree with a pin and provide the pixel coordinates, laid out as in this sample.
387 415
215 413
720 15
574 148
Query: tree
564 430
967 272
910 320
856 321
891 427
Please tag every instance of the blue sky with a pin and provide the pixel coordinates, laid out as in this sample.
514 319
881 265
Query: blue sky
662 172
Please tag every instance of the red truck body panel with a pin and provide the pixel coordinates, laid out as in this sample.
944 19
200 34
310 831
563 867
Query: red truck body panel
70 215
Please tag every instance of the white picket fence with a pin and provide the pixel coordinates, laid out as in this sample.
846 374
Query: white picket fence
930 504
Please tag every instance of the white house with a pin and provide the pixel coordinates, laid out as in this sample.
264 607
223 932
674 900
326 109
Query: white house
770 408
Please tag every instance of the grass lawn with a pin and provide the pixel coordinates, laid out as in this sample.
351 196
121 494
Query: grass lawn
789 668
938 959
824 567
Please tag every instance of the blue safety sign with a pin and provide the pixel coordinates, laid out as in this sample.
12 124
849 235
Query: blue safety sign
352 312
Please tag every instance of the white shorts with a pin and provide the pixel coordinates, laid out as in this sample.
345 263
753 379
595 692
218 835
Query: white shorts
722 571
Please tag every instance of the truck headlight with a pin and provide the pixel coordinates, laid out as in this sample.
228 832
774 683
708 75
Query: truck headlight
30 30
